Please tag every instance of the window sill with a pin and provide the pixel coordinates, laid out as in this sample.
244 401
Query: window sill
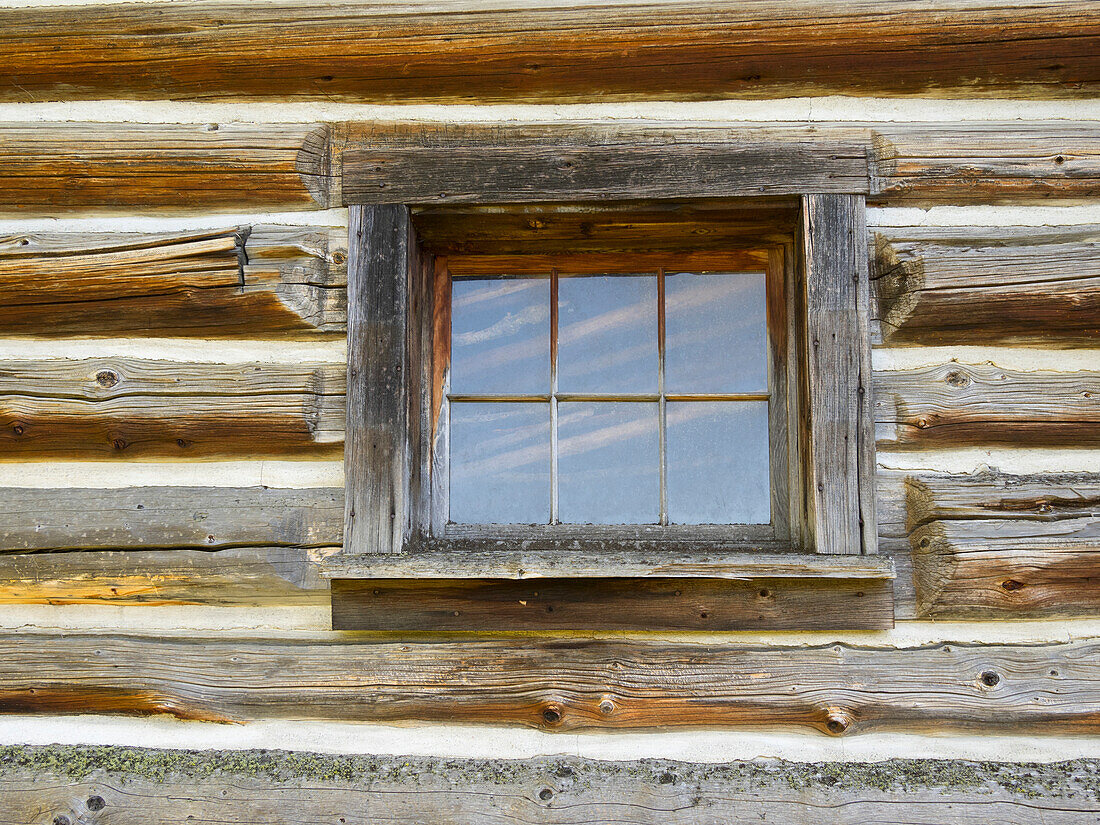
576 565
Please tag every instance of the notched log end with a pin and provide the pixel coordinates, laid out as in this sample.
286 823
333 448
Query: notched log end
315 166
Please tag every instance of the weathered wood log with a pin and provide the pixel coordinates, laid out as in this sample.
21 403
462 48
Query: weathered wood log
129 785
618 603
955 404
926 162
558 685
979 285
991 545
234 576
169 517
985 162
72 167
527 51
130 407
240 282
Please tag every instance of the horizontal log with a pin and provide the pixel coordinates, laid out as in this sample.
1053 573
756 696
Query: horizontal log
169 517
234 576
525 51
250 281
616 603
558 685
991 545
987 285
956 404
133 407
59 168
997 162
129 785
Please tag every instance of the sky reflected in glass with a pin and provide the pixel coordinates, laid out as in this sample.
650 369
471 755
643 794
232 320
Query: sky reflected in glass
607 334
715 333
500 336
608 463
500 463
718 465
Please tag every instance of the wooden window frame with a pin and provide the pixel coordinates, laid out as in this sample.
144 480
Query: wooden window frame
394 392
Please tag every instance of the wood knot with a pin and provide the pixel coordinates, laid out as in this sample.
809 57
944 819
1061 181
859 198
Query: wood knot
546 794
1012 585
837 722
119 444
106 378
957 379
96 803
607 707
339 258
990 679
923 423
552 714
61 819
17 429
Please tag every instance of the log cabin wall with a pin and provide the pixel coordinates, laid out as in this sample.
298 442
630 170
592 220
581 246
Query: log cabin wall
173 266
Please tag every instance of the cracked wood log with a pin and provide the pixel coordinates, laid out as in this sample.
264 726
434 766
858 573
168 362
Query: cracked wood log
229 576
130 785
250 281
947 405
527 51
169 517
987 285
557 685
55 168
995 545
132 407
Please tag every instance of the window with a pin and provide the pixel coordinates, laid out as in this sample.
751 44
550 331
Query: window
597 395
637 406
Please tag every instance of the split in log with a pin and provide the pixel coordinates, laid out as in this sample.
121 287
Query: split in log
129 785
244 282
121 167
526 51
131 407
952 404
169 517
558 684
976 285
991 545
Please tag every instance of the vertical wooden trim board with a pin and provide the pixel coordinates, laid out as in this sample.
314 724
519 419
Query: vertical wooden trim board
838 366
376 448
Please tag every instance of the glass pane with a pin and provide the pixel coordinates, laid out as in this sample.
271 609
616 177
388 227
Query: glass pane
607 333
500 463
718 462
715 332
608 471
500 336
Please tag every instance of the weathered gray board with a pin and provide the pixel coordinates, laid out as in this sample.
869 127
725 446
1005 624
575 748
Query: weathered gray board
120 786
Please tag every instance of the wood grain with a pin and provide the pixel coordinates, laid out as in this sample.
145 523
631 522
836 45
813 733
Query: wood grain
615 603
987 285
134 407
247 281
250 576
558 684
42 783
378 446
837 365
169 517
956 404
458 52
60 168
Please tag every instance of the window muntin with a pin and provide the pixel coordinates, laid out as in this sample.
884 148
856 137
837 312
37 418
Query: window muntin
655 389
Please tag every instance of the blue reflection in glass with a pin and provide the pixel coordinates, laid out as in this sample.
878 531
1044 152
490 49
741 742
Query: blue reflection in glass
607 334
500 463
715 332
608 463
718 466
500 336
